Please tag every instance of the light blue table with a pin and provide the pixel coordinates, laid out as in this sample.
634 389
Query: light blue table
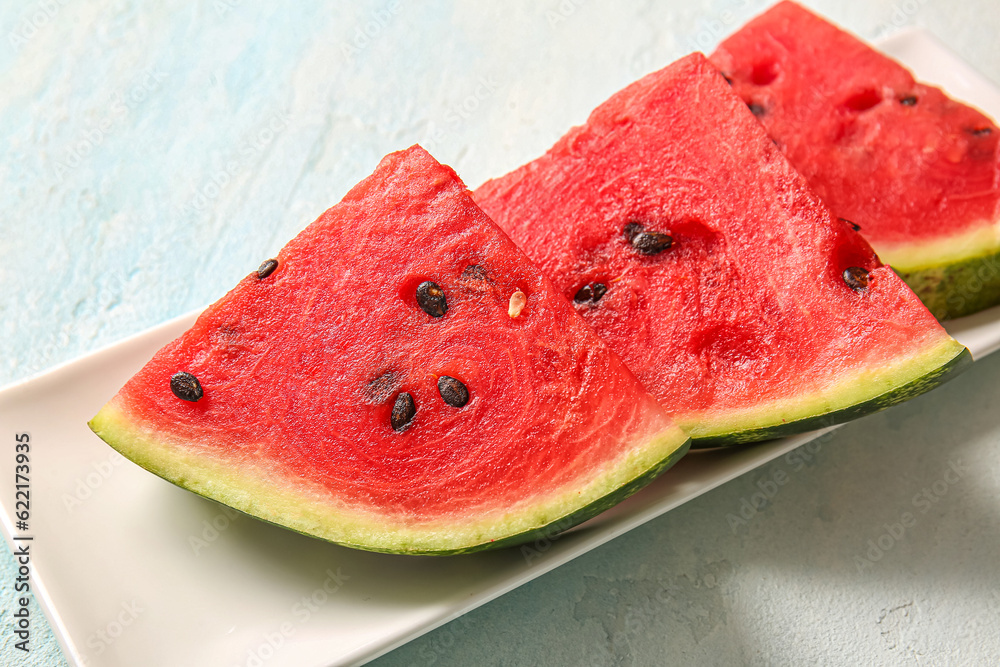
153 152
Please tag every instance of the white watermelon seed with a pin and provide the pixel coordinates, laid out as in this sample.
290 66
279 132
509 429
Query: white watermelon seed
517 303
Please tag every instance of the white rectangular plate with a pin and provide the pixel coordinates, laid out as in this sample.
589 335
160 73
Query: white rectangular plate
171 578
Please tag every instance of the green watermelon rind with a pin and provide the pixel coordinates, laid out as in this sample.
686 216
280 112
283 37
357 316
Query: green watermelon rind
587 512
856 397
956 289
260 494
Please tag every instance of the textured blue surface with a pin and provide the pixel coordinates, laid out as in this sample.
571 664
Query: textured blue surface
154 153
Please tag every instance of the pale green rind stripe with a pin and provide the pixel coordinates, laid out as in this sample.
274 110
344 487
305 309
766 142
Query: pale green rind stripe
856 395
957 289
954 275
262 493
981 238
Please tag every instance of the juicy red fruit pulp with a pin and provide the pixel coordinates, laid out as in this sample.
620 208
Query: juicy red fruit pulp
376 365
898 157
725 283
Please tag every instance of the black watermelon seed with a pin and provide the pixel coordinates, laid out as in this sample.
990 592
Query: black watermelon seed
186 387
652 243
981 131
474 272
756 109
403 412
267 268
647 243
908 101
728 79
590 293
431 299
453 391
855 226
856 278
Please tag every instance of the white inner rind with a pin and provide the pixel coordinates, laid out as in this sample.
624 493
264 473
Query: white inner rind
854 388
982 240
295 504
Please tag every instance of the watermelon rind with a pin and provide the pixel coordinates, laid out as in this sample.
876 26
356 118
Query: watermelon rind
291 503
953 288
863 392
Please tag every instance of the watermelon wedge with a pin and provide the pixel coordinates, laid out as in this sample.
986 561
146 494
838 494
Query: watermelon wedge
695 250
401 379
917 171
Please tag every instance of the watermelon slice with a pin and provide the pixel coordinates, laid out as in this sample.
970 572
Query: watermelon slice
400 378
919 172
692 246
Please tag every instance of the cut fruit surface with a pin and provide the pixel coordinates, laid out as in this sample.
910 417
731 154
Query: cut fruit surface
917 171
698 253
372 385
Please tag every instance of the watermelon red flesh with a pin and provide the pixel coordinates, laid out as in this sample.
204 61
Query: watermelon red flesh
919 172
744 328
301 370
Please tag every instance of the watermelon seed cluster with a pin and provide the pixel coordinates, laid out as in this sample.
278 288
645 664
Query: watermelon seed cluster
856 278
186 387
453 392
431 299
